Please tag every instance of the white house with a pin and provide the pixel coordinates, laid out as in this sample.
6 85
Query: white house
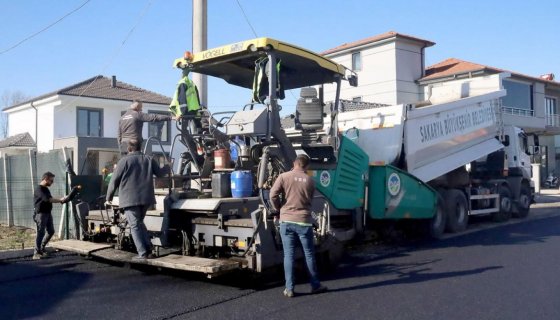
84 118
391 70
387 65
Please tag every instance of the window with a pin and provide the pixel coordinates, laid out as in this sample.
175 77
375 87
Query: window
90 122
356 61
551 112
550 106
357 99
160 158
519 95
161 129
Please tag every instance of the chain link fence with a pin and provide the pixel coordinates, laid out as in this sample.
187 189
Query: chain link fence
19 176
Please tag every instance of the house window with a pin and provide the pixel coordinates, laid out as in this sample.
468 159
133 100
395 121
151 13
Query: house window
550 106
160 158
356 61
90 122
160 129
519 95
551 112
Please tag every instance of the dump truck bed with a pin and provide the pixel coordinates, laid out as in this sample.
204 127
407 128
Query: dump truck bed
436 138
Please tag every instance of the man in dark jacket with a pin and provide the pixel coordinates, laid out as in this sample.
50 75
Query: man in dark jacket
133 176
296 222
132 122
43 201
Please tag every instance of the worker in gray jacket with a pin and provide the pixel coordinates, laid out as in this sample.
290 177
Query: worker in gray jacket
132 122
133 176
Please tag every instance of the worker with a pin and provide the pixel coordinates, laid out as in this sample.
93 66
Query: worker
186 102
133 176
132 122
42 215
296 222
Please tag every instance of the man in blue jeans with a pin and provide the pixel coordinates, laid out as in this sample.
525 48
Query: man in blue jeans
134 177
296 222
42 216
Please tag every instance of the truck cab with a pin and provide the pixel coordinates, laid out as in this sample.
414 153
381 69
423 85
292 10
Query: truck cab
517 152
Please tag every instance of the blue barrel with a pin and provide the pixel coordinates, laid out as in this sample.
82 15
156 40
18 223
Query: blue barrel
233 151
241 184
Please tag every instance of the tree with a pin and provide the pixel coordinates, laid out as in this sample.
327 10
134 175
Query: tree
9 98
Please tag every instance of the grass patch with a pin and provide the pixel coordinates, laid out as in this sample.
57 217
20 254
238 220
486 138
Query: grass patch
15 238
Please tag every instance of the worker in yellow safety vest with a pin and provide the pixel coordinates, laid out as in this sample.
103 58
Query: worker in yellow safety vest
186 102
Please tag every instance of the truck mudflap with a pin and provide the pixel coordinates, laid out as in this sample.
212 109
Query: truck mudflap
210 267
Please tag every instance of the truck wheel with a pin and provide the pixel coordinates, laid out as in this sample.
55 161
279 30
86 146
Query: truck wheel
436 225
505 205
523 203
456 208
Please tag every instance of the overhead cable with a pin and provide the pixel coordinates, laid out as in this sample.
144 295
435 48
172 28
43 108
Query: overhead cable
44 29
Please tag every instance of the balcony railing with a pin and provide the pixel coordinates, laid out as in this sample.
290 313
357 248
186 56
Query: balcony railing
553 120
518 112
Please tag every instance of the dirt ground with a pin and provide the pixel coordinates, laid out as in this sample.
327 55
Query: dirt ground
15 238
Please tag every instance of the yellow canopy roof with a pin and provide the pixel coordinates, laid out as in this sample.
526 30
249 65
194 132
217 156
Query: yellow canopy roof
235 63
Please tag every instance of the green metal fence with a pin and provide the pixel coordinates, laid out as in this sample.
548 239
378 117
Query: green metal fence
19 176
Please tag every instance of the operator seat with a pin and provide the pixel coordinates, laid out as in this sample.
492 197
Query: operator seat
309 118
309 111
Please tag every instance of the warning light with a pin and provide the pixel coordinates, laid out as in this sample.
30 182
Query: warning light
188 56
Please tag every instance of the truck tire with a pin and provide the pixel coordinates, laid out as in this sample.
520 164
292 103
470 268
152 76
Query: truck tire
456 209
504 213
436 225
523 203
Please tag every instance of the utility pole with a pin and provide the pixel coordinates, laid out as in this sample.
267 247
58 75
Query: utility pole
200 43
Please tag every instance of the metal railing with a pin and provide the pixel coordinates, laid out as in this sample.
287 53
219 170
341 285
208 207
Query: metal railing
553 120
518 112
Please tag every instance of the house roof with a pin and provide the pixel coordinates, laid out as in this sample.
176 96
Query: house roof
379 37
101 87
453 66
19 140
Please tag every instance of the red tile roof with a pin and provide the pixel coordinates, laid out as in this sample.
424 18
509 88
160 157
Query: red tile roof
453 66
100 87
387 35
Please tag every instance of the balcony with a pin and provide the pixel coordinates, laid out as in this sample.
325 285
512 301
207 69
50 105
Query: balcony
518 112
552 120
523 118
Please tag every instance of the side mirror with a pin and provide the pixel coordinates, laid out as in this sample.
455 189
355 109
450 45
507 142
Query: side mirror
353 80
505 142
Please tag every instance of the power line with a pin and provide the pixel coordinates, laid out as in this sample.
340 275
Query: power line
247 19
45 28
116 52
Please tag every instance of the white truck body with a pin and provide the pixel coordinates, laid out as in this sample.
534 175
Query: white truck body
436 138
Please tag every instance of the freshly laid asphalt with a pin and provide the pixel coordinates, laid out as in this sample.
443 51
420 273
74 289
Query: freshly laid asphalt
493 271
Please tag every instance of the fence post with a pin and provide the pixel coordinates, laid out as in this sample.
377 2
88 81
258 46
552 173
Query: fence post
9 212
33 173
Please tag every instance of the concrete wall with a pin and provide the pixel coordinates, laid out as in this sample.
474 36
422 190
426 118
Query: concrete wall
376 80
22 119
409 67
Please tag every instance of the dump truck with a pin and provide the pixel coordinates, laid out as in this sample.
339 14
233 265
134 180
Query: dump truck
460 149
433 165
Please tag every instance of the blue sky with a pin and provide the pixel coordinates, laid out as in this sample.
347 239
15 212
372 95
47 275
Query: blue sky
521 36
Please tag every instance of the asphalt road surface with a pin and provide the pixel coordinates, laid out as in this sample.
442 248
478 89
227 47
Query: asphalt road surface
493 271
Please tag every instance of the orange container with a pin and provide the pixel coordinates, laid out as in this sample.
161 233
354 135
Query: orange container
222 159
